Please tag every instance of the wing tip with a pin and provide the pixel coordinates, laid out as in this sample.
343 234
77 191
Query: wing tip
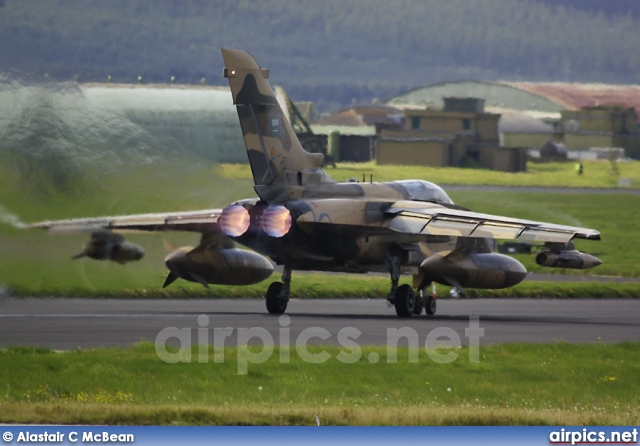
592 235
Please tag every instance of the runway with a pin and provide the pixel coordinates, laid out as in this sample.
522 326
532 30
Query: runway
61 323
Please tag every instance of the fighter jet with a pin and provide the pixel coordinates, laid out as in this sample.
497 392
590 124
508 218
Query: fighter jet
304 220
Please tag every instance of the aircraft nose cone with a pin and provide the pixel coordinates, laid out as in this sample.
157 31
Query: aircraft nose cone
432 264
175 256
515 272
176 261
594 261
513 278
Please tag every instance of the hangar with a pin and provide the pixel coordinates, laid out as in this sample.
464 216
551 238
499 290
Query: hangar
580 115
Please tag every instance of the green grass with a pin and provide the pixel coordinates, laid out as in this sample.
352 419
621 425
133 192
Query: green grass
511 384
39 263
546 384
596 174
304 285
34 262
615 216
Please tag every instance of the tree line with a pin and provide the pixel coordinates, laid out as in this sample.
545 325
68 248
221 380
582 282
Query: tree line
332 52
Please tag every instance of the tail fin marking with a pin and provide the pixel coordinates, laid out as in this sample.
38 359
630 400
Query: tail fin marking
276 156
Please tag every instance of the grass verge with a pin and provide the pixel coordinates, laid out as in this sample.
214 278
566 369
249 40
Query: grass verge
511 384
37 263
319 285
598 174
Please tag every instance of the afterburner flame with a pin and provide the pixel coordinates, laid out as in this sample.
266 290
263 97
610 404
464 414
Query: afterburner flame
234 220
276 221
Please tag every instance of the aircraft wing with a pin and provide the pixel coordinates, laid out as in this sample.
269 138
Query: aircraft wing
205 221
425 218
439 220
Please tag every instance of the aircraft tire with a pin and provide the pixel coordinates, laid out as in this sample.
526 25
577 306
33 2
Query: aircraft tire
430 306
405 301
417 309
275 303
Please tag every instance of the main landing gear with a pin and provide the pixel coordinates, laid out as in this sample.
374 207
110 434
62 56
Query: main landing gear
430 303
403 297
406 301
278 293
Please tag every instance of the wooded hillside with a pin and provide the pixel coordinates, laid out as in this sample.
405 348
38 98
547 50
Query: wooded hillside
331 51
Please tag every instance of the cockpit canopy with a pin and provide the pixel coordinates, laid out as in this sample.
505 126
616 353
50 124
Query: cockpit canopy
419 190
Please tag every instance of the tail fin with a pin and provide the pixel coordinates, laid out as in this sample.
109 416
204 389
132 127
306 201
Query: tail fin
278 161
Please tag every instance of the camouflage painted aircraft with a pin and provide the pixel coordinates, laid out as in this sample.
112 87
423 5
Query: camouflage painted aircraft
304 220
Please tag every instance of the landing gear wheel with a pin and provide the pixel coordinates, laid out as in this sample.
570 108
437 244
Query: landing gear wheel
417 309
276 303
405 301
431 306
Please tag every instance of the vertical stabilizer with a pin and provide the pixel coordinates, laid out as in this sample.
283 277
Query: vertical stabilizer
277 158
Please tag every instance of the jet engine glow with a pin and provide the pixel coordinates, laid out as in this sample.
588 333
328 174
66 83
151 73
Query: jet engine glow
234 220
276 221
304 220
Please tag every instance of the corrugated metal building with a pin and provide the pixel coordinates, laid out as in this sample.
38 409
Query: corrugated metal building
525 96
195 119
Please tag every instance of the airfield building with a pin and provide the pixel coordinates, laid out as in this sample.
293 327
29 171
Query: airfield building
582 116
460 134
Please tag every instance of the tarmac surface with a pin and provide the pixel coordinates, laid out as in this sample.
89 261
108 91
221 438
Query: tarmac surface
63 323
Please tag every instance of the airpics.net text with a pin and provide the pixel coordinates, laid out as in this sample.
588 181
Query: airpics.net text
256 345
